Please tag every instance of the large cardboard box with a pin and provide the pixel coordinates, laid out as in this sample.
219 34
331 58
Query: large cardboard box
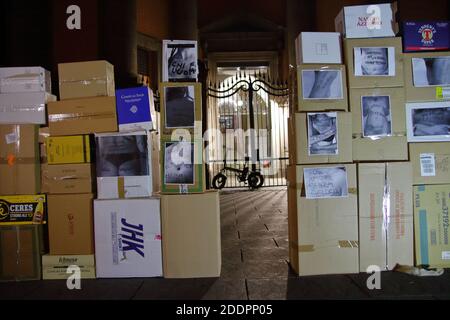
430 162
70 224
426 36
425 76
318 47
367 21
136 109
323 232
57 267
128 238
379 129
69 149
431 223
322 87
303 130
25 79
374 63
191 235
20 253
19 160
124 165
385 215
24 108
82 116
85 79
68 178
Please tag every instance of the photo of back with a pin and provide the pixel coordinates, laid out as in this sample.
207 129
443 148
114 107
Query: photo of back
376 116
179 103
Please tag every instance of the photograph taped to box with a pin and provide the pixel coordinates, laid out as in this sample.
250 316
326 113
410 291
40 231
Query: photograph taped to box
22 210
180 60
376 116
323 134
323 183
374 61
428 121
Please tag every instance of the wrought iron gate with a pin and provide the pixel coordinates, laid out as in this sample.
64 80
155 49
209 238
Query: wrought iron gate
247 117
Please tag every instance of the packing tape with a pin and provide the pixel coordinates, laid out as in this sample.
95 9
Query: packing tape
395 134
348 244
86 82
306 248
343 244
121 187
79 116
17 108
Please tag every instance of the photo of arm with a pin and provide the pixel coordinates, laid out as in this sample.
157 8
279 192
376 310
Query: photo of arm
322 84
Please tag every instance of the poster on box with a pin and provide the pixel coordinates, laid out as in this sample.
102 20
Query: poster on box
428 122
374 61
179 107
322 84
322 183
433 71
179 163
179 60
322 134
376 116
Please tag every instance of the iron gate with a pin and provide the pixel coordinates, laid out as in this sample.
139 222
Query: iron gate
247 117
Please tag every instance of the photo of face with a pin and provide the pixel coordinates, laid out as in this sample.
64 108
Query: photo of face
322 134
433 71
325 182
179 163
376 116
374 61
179 107
322 84
431 121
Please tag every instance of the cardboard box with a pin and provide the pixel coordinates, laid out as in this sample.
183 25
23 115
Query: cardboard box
69 149
24 108
23 210
426 36
191 235
70 224
82 116
56 267
312 79
25 79
86 79
44 133
128 238
20 253
374 63
156 157
430 162
323 233
423 80
124 165
318 47
68 178
367 21
431 225
181 106
135 109
19 160
385 215
304 153
379 129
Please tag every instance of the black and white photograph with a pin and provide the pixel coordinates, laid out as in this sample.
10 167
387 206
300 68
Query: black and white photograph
322 133
328 182
180 60
428 122
179 103
122 156
433 71
374 61
179 163
376 116
322 84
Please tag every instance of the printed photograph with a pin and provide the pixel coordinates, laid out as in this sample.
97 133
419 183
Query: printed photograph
179 107
322 134
376 116
180 61
428 122
122 156
179 163
325 182
374 61
428 72
322 84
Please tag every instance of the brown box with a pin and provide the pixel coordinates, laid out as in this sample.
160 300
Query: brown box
156 169
307 80
371 141
298 134
82 116
425 89
430 163
19 159
86 79
395 75
67 178
191 235
71 226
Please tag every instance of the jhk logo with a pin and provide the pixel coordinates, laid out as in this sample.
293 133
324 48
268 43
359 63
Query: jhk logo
132 237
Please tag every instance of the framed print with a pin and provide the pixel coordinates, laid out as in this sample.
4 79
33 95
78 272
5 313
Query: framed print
179 163
428 121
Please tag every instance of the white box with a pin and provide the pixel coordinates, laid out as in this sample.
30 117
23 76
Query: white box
367 21
25 79
128 238
319 48
24 108
124 165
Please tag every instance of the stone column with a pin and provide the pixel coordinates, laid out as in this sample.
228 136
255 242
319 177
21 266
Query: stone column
183 18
